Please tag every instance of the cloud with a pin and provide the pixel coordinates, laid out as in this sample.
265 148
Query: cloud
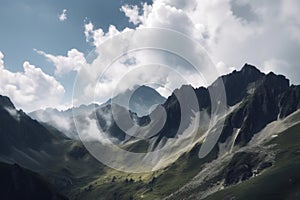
65 64
59 120
88 31
63 16
290 10
278 66
30 89
1 60
290 16
263 33
151 67
98 36
133 13
232 31
161 14
13 113
174 15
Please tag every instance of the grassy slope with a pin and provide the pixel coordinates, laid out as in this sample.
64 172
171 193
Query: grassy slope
104 183
150 186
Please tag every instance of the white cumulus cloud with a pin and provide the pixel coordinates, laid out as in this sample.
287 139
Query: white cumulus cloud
63 16
98 36
64 64
30 89
133 13
232 31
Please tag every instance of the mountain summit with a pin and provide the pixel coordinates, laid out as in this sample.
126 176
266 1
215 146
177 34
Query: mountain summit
5 102
141 99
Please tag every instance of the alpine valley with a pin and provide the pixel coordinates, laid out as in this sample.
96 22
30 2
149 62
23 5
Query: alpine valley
257 155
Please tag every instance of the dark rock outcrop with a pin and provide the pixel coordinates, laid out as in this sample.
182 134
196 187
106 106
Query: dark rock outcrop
240 167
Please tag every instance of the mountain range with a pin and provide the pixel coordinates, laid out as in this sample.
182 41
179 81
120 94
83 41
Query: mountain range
139 99
255 157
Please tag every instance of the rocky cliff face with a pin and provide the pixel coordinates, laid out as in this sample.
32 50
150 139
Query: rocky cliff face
260 99
266 101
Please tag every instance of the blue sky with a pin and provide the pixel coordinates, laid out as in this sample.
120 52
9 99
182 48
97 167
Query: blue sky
35 24
30 24
260 32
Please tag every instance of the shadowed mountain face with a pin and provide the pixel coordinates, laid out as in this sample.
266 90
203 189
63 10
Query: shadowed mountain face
6 103
260 133
18 183
239 83
40 149
19 131
19 134
265 101
289 101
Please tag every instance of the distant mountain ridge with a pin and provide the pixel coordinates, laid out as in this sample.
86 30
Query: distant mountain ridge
140 100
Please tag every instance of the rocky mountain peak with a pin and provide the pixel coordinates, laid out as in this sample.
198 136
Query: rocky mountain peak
249 69
6 102
237 83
